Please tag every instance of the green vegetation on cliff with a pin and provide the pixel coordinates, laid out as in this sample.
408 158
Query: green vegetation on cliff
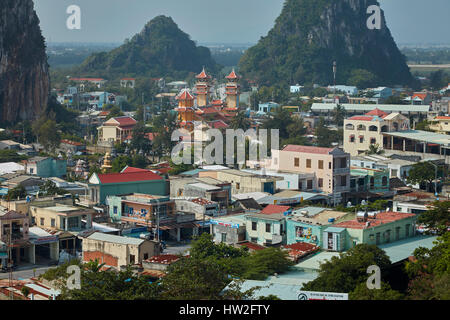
310 34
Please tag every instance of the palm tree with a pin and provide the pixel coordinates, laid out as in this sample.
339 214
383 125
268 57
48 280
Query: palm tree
240 121
374 149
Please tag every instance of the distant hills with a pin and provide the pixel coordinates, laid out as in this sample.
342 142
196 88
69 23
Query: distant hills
160 49
310 34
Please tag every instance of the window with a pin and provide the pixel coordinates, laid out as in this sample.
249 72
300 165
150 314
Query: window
372 182
343 181
308 163
407 230
329 165
343 163
42 221
384 181
145 256
268 227
224 237
130 210
296 162
349 126
310 184
352 138
299 232
361 139
373 140
238 185
132 258
373 128
254 240
362 127
254 226
115 209
268 241
320 164
53 222
31 170
320 182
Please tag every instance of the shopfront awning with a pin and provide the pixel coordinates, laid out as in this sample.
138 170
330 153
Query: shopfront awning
186 225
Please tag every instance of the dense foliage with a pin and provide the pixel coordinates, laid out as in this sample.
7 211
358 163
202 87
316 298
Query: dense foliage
310 34
161 49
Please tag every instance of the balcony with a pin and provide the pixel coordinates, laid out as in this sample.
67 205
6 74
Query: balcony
341 171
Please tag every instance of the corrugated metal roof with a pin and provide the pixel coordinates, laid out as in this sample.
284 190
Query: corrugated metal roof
370 107
419 135
114 239
401 250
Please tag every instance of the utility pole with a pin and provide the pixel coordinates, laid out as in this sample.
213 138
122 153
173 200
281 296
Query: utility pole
334 77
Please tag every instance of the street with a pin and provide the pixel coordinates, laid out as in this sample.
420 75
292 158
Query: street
26 272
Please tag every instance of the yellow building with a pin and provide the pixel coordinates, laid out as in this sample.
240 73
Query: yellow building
116 129
62 217
232 90
185 109
362 131
203 88
440 124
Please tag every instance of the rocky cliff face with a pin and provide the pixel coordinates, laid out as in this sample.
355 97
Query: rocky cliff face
310 34
24 77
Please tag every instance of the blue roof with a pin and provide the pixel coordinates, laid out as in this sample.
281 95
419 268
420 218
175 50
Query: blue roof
334 229
402 249
191 172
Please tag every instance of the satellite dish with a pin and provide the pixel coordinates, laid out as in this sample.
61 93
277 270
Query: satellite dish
349 204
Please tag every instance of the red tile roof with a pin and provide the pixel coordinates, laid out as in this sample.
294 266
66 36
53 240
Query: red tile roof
74 143
184 95
103 113
377 112
362 118
251 245
274 208
203 75
307 149
302 246
381 218
442 118
207 110
232 75
86 79
128 177
421 96
133 169
163 259
219 124
125 121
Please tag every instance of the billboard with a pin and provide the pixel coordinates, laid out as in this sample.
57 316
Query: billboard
312 295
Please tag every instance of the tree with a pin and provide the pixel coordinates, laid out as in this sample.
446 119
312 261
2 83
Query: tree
422 172
110 285
114 112
362 79
50 188
437 80
262 263
325 136
361 292
120 162
429 271
240 121
11 156
339 115
374 149
18 192
346 272
47 134
139 140
436 218
194 279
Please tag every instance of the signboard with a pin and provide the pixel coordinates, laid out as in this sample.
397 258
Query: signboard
312 295
229 225
44 240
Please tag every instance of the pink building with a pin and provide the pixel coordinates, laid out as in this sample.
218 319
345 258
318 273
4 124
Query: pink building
325 169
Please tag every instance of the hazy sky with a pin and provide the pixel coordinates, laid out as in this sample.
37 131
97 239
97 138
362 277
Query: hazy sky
239 21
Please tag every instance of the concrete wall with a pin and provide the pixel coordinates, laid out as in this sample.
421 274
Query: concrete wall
260 232
291 236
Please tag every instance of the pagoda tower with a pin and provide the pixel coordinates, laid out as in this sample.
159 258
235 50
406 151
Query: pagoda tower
106 162
203 87
185 109
232 90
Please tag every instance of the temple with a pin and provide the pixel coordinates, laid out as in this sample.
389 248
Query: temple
202 106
